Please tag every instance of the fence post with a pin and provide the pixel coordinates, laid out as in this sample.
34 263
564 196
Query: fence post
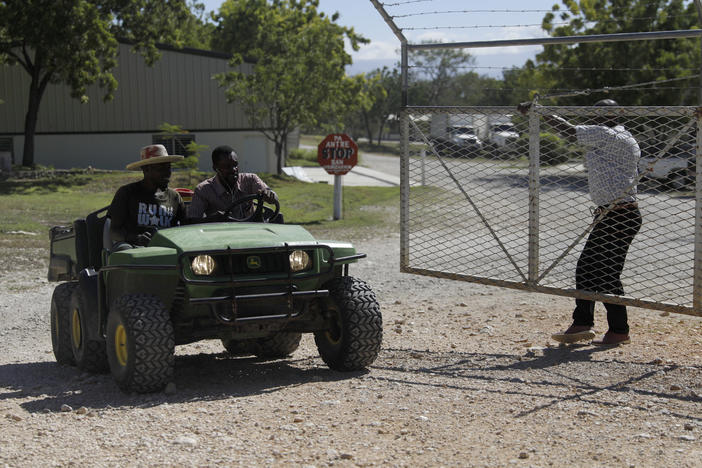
534 189
404 190
697 271
424 158
698 5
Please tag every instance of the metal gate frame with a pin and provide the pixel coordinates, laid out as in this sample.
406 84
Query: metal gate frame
533 276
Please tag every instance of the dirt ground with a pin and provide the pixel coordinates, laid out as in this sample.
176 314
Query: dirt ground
467 376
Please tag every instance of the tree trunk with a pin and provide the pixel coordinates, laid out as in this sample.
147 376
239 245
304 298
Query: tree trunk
279 154
381 127
369 132
36 91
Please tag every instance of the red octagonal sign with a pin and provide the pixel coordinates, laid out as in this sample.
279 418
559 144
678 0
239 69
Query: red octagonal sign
337 153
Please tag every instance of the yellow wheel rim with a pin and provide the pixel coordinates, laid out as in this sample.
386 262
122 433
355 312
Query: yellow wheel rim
334 336
121 345
75 324
331 339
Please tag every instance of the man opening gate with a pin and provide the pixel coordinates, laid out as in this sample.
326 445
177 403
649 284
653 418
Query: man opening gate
496 197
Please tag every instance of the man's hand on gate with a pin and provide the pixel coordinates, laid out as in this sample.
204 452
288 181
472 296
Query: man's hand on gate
524 107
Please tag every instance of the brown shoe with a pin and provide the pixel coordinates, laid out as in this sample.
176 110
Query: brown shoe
574 334
613 339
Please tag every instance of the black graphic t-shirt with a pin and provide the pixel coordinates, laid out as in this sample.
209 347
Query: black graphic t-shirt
135 210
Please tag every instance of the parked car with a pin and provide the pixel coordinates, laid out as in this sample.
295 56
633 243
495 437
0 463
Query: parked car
503 135
674 170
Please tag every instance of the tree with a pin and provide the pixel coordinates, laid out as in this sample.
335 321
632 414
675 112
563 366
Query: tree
298 77
196 29
436 71
75 42
596 65
521 84
387 90
382 89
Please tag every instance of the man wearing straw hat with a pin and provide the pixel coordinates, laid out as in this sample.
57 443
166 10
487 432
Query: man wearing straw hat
140 208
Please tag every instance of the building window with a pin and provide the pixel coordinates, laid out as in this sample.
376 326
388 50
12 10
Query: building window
175 144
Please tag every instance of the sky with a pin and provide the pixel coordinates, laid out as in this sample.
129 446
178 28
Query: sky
469 20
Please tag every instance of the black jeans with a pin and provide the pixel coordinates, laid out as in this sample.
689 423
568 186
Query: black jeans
601 263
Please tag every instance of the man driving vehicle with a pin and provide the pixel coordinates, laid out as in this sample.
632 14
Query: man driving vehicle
214 196
140 208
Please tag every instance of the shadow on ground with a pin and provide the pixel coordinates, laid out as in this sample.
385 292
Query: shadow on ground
200 377
539 380
552 375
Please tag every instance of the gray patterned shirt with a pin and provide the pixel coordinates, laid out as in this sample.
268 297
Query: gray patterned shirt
211 196
612 162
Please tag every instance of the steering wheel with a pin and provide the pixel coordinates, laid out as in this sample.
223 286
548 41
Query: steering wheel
259 212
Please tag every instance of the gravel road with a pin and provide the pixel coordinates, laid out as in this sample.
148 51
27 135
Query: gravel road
467 377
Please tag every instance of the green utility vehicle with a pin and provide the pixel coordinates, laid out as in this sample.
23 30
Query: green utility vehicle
256 286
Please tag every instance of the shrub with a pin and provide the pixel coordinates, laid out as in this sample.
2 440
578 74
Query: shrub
302 157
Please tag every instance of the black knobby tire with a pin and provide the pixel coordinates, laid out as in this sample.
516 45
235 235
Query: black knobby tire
61 323
354 341
277 345
140 343
87 345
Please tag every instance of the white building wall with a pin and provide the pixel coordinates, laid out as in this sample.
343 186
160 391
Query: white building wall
116 150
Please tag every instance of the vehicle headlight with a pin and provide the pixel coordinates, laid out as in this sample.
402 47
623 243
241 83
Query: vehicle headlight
203 265
299 260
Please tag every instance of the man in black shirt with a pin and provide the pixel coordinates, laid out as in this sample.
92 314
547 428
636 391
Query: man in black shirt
140 208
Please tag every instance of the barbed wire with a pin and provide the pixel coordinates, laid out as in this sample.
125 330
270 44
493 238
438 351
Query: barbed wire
453 12
407 2
648 22
404 3
553 93
578 92
565 23
485 26
607 89
444 12
473 67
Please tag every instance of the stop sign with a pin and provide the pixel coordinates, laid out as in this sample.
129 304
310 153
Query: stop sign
337 153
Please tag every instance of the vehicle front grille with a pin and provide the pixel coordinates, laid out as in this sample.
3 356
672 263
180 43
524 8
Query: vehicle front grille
252 263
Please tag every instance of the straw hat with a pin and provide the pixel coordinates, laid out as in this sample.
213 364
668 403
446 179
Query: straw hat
154 154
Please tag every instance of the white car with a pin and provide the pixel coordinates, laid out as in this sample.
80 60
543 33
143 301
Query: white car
675 170
465 137
503 136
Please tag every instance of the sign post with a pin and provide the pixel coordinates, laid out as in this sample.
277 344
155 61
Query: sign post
337 154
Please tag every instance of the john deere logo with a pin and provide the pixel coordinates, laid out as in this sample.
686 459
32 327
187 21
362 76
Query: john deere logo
253 262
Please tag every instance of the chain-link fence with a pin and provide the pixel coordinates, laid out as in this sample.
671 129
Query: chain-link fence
497 197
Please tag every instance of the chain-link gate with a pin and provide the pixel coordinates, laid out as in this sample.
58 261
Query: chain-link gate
496 197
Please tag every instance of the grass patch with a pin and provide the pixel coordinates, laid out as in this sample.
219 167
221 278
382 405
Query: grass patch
302 157
387 148
312 204
30 207
311 140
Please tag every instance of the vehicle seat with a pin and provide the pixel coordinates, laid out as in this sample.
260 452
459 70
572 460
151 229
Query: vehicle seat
94 224
185 194
106 240
81 244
